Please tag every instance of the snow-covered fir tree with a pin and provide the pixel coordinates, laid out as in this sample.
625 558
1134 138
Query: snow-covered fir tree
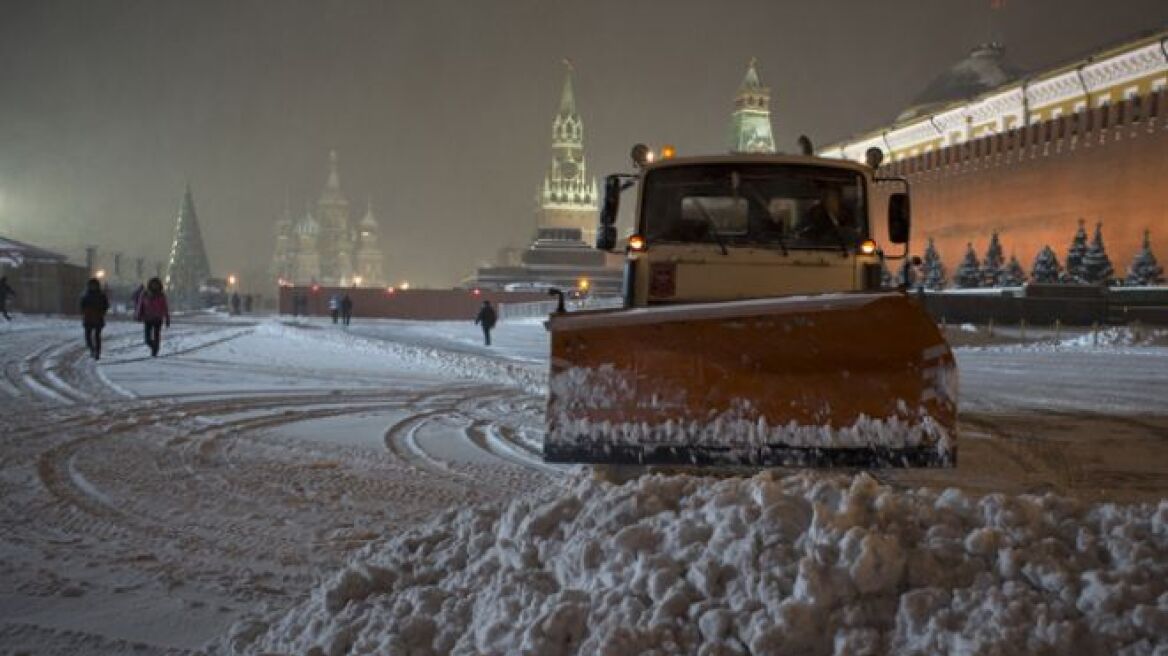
932 270
1013 275
1144 269
1075 254
1046 267
1097 269
993 266
968 273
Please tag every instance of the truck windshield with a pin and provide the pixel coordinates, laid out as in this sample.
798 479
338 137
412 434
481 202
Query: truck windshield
768 205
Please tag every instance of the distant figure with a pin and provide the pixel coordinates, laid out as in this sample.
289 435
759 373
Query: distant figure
153 311
487 318
235 302
94 305
334 306
247 304
346 309
5 292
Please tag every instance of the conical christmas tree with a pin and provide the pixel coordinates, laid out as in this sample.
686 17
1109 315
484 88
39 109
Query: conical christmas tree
993 267
1144 269
187 268
1013 275
1046 267
968 273
1075 254
1097 269
933 269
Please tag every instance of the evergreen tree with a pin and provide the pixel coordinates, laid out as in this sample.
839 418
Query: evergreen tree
1046 267
993 267
1014 275
968 273
1075 255
1097 269
933 271
1144 269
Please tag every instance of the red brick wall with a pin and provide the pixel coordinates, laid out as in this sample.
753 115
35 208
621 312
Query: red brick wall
422 304
1033 185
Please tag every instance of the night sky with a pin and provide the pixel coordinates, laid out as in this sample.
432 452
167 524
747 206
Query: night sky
440 110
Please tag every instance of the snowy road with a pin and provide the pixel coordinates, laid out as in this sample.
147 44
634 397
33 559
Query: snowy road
155 501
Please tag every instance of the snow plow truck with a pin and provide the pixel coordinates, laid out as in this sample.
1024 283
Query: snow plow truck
755 328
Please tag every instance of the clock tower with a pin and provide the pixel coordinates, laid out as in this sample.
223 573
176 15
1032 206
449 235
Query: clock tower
568 207
750 124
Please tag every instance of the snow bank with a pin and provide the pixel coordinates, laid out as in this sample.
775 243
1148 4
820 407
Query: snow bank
806 564
425 358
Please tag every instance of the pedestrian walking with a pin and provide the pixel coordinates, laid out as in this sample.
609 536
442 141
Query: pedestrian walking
334 306
5 292
486 318
152 312
94 306
346 309
235 302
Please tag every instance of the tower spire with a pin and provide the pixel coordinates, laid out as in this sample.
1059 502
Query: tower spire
334 179
568 96
750 123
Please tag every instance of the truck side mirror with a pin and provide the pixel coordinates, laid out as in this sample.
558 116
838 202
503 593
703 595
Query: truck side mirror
609 209
899 218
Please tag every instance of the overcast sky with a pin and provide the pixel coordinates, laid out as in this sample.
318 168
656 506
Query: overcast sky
440 110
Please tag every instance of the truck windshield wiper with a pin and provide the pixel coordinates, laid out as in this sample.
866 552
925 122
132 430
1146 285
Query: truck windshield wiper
713 227
763 204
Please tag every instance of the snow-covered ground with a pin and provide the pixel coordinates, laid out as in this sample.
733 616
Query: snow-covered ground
279 485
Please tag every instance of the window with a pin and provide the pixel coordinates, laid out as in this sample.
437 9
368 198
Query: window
755 205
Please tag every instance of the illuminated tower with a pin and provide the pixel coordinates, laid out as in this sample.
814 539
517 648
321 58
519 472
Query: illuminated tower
568 208
369 258
750 124
187 268
335 244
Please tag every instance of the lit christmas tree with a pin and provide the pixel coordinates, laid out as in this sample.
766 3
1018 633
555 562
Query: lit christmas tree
187 269
1046 267
933 270
1144 269
1013 275
968 273
1075 254
993 267
1097 269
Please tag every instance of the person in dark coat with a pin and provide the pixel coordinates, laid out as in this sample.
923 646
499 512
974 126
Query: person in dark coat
5 292
486 318
346 309
153 311
94 305
235 301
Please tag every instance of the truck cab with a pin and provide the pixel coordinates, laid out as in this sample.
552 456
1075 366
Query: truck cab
721 228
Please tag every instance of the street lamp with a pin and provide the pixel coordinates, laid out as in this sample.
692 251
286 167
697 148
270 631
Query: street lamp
99 274
405 284
356 281
231 280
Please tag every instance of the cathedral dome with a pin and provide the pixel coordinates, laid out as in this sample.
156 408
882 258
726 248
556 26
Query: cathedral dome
984 69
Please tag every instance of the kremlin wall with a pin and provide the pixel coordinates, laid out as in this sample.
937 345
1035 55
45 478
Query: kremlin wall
1031 156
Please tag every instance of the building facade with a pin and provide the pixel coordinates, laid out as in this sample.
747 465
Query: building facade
324 245
1031 157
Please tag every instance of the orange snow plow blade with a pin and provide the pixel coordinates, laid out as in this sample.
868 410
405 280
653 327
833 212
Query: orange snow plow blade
847 380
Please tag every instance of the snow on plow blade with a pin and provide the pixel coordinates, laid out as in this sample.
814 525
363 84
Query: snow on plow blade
848 380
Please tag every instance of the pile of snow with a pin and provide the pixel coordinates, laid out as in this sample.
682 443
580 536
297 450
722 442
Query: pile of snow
1118 336
804 564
